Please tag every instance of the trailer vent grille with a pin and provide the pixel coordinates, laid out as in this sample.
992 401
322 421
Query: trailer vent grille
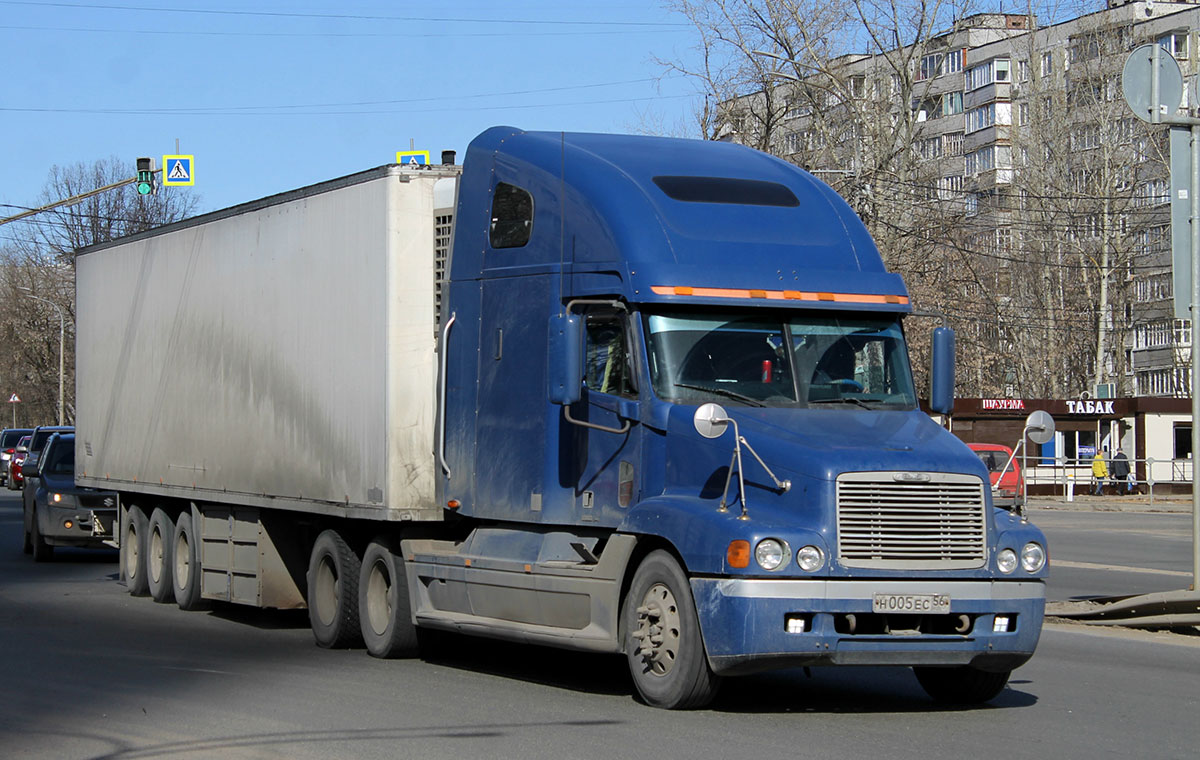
911 521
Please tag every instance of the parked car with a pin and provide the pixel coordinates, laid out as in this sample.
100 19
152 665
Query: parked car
63 514
8 442
16 479
1007 484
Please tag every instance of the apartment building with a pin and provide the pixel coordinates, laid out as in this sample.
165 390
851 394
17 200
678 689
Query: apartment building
1059 194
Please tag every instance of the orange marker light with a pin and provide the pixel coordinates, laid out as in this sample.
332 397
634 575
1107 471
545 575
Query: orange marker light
453 504
738 554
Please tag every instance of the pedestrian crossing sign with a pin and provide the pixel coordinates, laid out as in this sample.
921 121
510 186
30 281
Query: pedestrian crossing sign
412 158
178 170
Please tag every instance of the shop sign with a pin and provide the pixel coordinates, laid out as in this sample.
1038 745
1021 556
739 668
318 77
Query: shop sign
1090 407
1002 404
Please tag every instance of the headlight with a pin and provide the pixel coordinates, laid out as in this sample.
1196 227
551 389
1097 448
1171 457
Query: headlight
1007 561
1033 557
57 497
810 559
772 554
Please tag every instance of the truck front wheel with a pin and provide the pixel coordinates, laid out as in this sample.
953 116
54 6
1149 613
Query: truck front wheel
961 685
662 639
333 571
158 556
384 612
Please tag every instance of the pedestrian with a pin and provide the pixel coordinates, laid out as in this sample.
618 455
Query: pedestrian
1099 471
1120 471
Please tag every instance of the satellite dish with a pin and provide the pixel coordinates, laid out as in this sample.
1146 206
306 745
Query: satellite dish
1137 80
1040 426
711 420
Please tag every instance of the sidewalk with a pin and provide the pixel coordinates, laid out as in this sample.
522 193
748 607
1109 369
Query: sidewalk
1133 503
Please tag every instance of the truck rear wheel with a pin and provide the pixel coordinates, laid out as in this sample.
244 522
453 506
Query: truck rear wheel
185 571
962 685
662 639
133 552
158 556
333 571
384 611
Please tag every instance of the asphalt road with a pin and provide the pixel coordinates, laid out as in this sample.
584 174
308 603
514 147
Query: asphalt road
89 672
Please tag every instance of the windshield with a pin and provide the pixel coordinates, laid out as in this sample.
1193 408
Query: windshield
779 359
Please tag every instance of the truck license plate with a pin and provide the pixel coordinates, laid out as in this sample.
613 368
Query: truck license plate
912 604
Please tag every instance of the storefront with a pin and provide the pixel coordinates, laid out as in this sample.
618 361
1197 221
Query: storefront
1154 432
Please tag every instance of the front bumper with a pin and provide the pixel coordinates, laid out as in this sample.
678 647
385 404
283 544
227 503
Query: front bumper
764 624
77 526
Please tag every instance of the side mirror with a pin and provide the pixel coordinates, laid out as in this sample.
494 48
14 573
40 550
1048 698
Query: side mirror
29 470
711 420
941 386
565 360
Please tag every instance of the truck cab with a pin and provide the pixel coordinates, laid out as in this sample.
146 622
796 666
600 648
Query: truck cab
692 355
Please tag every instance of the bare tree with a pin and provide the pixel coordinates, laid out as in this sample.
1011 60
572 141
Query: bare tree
37 274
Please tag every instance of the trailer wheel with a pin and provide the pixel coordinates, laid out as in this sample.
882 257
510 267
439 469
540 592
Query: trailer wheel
42 551
384 611
961 685
662 638
133 552
185 568
333 571
158 556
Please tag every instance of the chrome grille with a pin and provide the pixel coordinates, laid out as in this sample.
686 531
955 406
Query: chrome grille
908 521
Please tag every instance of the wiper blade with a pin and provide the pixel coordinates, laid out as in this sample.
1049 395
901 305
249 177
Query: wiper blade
863 402
721 392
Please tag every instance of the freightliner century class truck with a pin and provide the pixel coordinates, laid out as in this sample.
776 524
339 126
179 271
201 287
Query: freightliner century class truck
658 402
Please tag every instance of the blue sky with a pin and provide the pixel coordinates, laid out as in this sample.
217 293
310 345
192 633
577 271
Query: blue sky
271 95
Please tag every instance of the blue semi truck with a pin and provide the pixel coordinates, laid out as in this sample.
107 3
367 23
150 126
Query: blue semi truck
609 393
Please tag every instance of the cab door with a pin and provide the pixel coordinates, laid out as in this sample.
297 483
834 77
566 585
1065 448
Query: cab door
607 436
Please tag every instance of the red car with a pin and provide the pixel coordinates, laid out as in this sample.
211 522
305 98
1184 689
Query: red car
1007 484
15 480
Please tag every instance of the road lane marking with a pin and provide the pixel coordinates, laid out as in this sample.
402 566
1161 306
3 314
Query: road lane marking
1123 568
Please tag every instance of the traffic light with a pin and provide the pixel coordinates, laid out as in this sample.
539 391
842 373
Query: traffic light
145 176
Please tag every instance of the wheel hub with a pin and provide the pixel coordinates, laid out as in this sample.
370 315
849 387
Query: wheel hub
657 631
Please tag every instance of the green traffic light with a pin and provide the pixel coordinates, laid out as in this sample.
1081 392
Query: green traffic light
144 188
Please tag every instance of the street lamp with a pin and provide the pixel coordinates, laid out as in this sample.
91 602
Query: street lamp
62 331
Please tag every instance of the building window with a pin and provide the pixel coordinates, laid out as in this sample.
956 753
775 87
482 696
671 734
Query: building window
952 103
952 143
1023 70
931 66
1176 43
995 70
1047 63
1023 114
989 115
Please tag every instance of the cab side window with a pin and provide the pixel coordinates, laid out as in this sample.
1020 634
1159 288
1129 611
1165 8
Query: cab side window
512 216
609 369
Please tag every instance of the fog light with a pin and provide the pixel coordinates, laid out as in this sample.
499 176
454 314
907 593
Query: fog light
1001 624
68 524
796 624
771 554
1006 560
57 497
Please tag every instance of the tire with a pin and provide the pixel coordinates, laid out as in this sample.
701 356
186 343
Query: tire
333 572
385 616
185 565
159 558
42 551
133 552
27 545
961 685
661 634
